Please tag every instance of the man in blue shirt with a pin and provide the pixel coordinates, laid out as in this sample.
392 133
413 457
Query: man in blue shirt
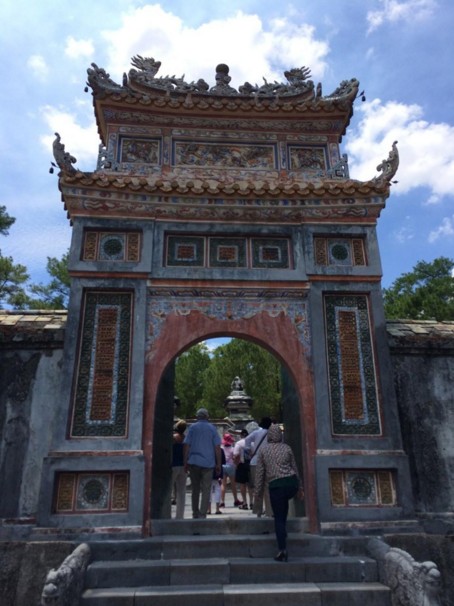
202 454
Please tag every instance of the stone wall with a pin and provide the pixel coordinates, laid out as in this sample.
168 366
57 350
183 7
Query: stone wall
31 350
423 365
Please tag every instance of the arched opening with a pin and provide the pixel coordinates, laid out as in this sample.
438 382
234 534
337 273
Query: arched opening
282 406
276 334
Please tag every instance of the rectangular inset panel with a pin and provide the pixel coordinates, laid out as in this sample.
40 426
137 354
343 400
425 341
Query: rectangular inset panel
111 246
270 253
94 492
362 488
351 368
185 250
102 388
228 252
320 251
307 158
224 155
90 252
339 251
337 487
139 151
65 492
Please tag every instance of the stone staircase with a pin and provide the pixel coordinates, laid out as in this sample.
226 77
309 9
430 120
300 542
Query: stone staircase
229 562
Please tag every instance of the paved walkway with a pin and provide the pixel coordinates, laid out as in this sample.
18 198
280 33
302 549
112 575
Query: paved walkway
228 511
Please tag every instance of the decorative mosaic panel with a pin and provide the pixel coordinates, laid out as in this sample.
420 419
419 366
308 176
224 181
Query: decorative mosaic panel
351 368
234 304
362 488
111 246
339 251
224 155
256 253
185 250
270 253
102 388
307 158
228 252
81 492
141 151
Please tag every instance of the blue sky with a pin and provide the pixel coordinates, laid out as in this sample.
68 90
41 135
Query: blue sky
401 51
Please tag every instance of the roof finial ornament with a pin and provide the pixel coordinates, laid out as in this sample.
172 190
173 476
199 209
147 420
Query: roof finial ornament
63 159
389 166
146 64
223 79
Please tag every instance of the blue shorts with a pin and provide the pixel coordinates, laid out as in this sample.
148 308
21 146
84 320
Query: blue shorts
229 470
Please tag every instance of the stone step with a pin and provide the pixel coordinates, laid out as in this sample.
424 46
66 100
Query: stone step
136 573
229 546
226 524
306 594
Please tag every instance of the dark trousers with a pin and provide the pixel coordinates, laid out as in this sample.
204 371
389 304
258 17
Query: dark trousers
279 498
201 487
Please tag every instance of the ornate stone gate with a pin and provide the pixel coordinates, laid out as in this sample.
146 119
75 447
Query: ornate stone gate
216 211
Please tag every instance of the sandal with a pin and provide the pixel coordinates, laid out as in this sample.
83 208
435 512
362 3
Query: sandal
244 506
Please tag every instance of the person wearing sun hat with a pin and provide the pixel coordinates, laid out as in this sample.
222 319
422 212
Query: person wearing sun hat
229 469
202 455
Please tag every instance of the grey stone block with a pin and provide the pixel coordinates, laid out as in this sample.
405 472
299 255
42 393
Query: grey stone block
354 594
207 595
200 572
272 594
108 597
132 573
339 569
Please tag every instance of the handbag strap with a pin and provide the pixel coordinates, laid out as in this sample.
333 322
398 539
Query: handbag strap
258 445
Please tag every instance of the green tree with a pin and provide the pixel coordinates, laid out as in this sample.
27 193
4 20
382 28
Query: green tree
425 293
258 369
54 295
5 221
12 276
190 370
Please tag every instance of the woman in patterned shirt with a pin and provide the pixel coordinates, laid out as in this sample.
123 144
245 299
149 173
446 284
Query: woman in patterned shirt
276 467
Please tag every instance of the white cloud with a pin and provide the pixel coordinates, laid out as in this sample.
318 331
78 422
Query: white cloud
251 48
426 149
404 234
82 141
38 66
395 10
78 48
433 199
444 230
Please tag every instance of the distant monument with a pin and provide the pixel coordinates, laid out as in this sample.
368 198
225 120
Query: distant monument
238 404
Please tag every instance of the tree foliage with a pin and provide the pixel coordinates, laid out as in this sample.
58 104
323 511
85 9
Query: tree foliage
12 276
190 370
55 294
425 293
258 369
5 221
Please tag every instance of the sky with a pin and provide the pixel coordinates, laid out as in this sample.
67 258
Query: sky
401 51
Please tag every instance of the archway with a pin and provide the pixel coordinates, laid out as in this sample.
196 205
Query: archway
278 399
278 335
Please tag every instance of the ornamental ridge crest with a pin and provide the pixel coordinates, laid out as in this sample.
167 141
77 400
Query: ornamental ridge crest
143 77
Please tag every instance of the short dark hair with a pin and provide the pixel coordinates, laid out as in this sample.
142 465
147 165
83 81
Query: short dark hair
265 422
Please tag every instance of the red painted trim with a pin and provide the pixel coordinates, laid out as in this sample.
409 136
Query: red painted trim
278 335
